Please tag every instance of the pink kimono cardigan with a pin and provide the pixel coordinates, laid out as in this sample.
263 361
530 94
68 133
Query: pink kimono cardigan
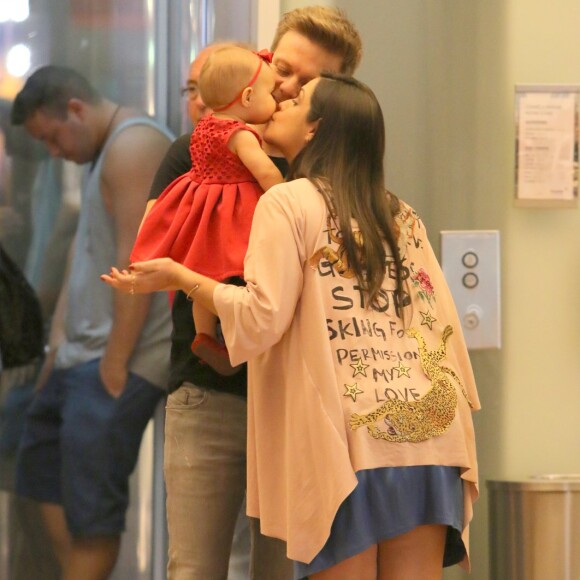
334 387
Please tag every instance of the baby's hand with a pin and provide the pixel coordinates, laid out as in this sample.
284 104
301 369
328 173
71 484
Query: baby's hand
122 280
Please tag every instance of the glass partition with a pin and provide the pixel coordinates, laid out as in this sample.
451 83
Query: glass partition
137 52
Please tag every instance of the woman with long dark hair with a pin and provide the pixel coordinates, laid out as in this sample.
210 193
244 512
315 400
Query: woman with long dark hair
361 451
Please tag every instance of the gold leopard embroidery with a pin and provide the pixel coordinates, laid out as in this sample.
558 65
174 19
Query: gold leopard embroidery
430 416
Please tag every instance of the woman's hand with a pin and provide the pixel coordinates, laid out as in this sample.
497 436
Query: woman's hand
163 274
146 277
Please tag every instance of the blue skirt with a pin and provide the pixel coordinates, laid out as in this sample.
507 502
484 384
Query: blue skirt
388 502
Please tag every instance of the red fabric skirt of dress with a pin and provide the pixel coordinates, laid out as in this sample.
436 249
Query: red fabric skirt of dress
203 218
205 226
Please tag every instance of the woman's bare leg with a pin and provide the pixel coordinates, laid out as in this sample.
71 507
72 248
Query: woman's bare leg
416 555
363 566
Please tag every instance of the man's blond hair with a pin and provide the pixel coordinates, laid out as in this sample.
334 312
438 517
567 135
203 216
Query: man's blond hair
327 27
226 72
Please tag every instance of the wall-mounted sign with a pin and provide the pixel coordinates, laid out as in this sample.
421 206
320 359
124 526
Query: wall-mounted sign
546 145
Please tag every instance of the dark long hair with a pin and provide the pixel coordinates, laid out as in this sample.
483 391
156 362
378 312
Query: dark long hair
347 154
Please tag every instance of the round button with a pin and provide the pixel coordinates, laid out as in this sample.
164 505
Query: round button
471 320
470 259
472 317
470 280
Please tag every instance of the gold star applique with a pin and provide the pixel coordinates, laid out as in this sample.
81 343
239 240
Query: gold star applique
352 391
402 370
359 368
428 320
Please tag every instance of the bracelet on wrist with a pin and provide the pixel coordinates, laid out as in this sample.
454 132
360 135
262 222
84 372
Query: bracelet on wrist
192 292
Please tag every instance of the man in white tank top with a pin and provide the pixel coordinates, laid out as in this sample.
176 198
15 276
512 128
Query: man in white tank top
108 354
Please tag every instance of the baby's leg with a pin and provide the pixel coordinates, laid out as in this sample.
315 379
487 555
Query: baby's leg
206 344
205 321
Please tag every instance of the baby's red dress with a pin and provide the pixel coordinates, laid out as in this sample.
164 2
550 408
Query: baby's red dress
203 218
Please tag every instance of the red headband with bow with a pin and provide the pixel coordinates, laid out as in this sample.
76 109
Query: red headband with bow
265 56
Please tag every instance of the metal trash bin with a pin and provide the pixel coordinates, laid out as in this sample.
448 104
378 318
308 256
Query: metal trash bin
534 528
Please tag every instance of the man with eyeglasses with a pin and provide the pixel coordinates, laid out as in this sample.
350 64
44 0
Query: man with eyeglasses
179 161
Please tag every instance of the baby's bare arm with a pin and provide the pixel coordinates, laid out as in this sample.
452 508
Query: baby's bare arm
245 145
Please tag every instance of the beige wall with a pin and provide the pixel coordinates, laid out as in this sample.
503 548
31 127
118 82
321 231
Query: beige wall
287 5
444 71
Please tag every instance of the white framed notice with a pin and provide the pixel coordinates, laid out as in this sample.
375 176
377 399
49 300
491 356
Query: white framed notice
546 118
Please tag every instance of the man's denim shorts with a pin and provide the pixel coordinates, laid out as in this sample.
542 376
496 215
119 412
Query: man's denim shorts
80 446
